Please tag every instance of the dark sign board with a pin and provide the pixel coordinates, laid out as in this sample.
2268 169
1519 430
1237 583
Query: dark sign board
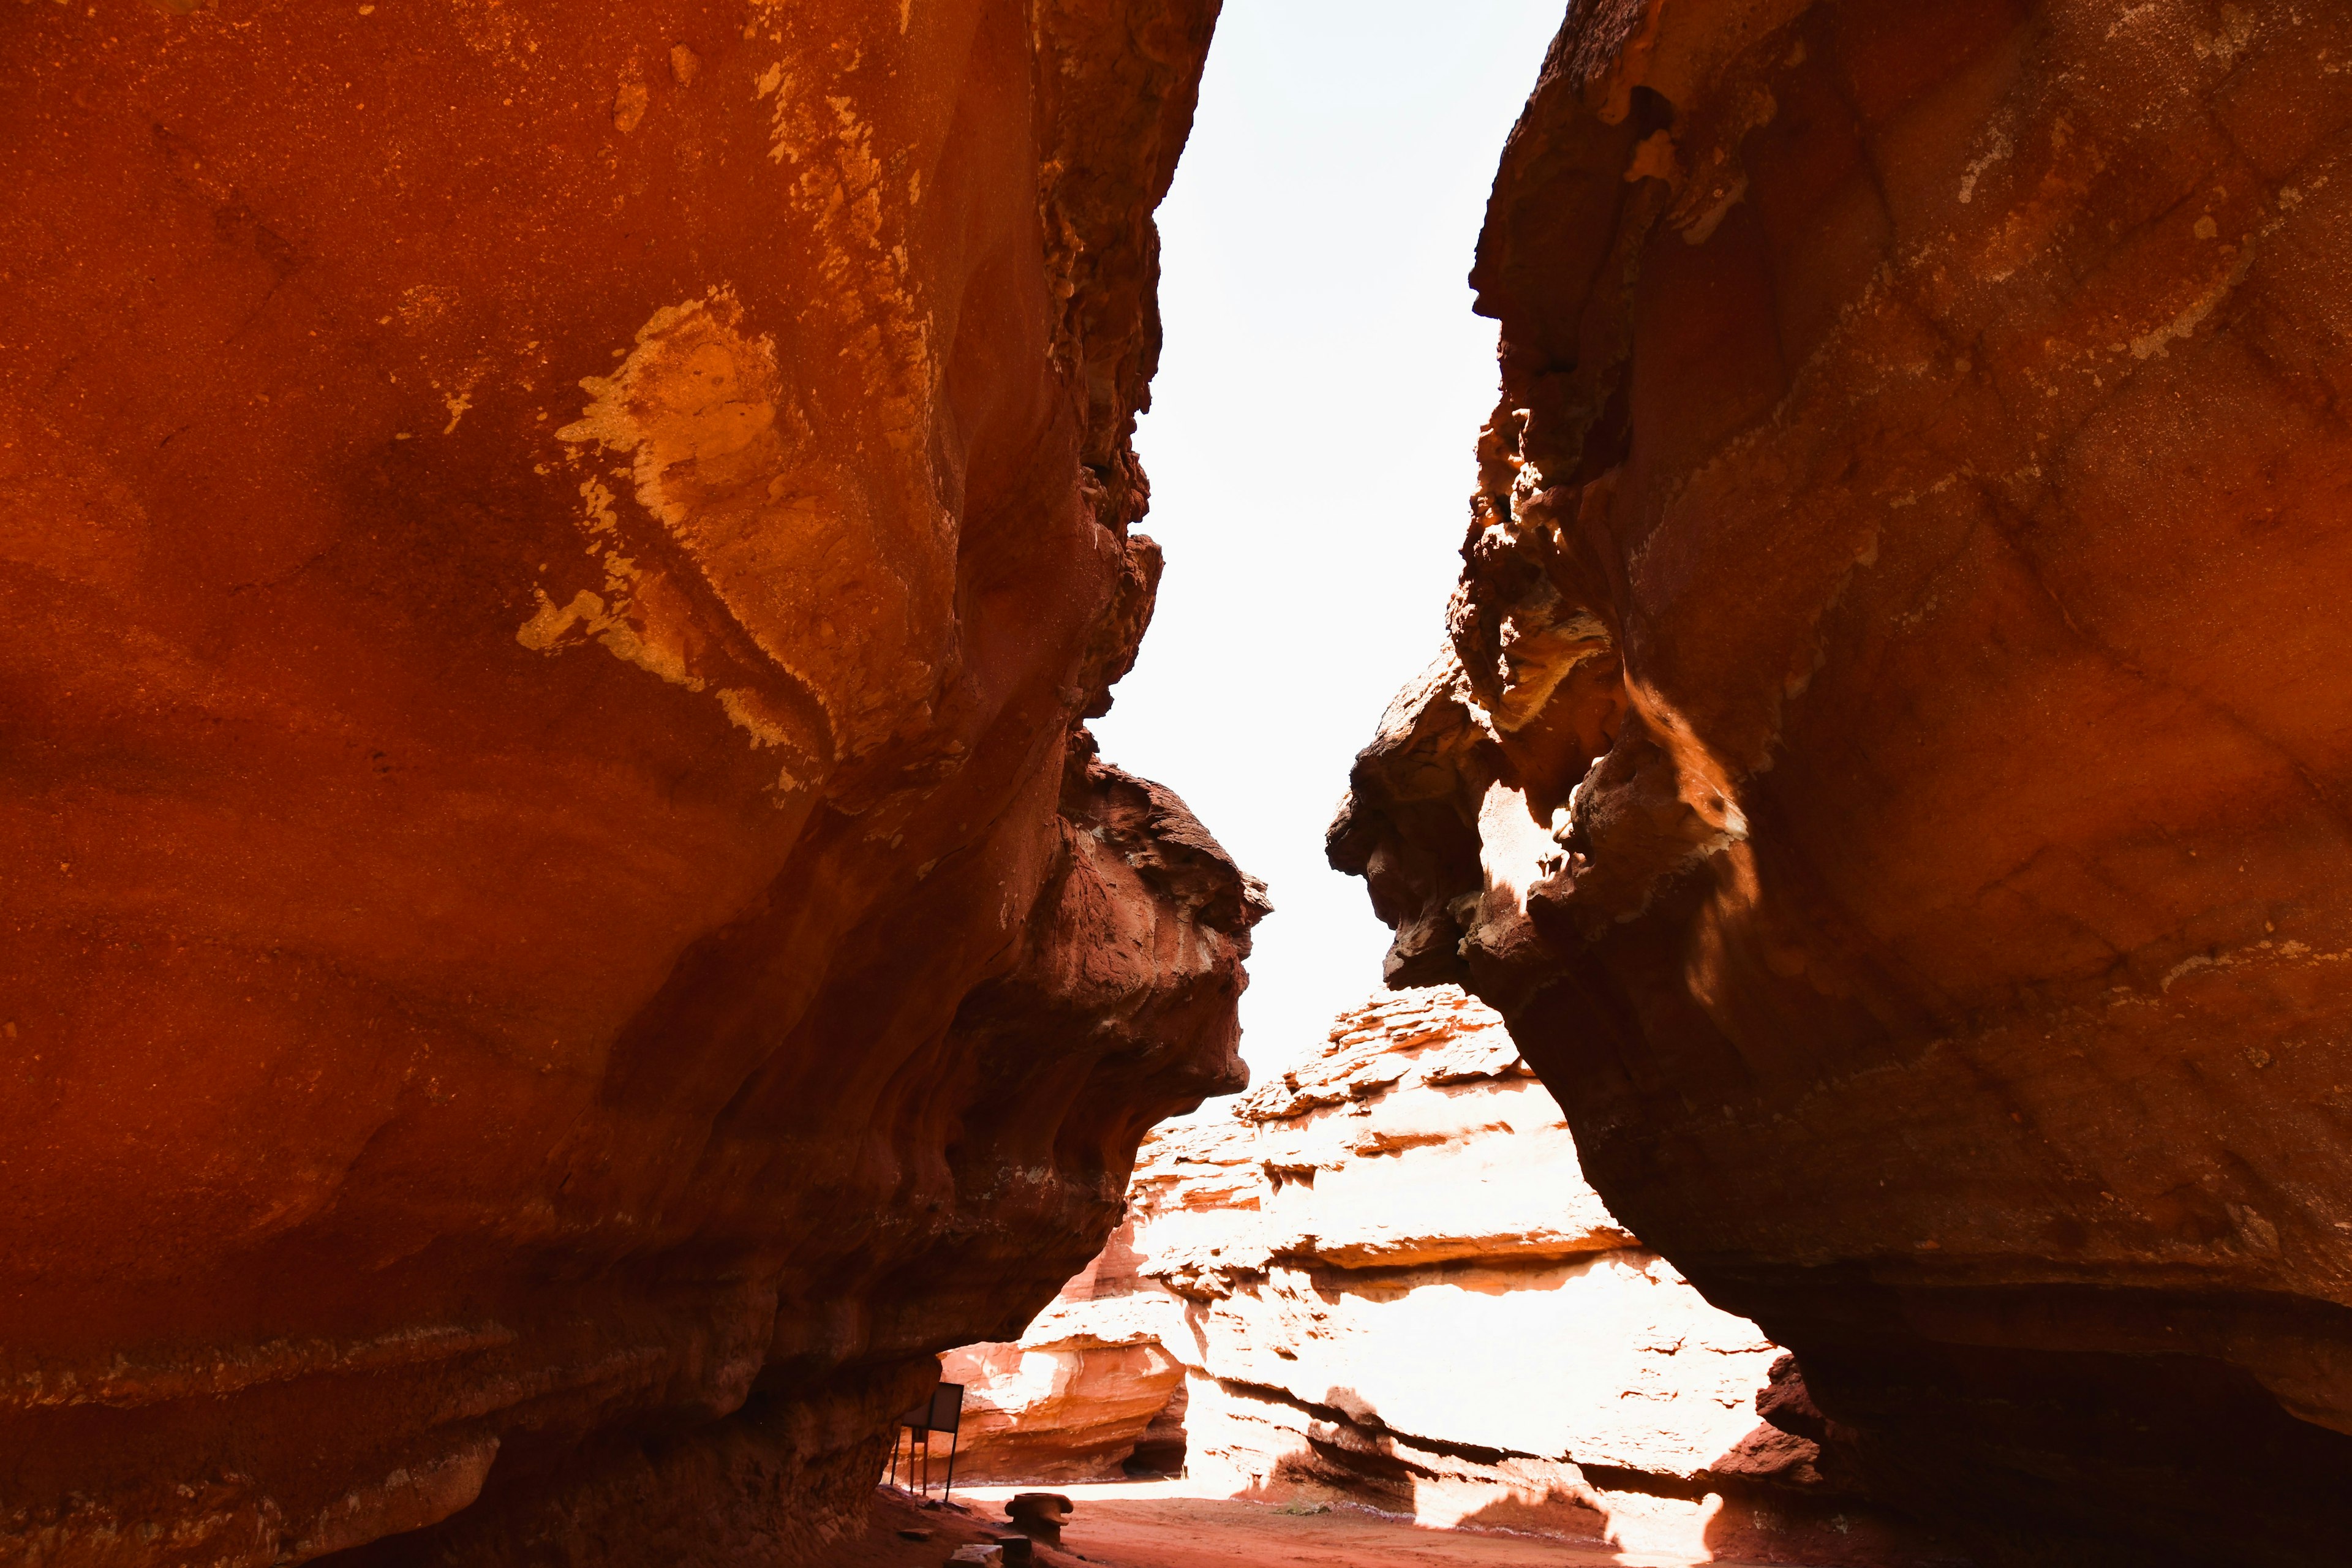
943 1412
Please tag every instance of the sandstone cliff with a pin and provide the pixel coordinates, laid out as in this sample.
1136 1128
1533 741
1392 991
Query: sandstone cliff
1381 1278
1890 765
565 933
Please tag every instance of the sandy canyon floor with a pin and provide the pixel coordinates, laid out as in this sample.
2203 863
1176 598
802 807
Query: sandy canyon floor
1159 1525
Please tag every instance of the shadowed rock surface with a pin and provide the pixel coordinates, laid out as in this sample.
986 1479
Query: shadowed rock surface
564 932
1890 770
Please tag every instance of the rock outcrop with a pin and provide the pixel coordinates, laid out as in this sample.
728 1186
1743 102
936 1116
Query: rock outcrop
1381 1278
1890 766
1089 1391
564 931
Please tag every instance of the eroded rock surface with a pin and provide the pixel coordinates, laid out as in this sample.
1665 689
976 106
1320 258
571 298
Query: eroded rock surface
1889 768
1086 1387
564 932
1382 1279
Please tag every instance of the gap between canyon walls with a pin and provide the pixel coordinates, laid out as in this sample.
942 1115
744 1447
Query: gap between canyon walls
1379 1280
1889 768
568 930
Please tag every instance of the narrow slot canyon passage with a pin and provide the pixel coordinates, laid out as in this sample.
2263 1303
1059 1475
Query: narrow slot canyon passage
1176 784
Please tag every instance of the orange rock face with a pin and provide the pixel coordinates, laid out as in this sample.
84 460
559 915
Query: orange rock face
1889 767
565 933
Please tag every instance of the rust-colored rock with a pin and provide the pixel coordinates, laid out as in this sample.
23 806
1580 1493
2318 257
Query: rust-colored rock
1890 768
564 935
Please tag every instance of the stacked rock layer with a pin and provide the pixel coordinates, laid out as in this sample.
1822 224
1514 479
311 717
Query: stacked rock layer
1382 1279
564 931
1891 765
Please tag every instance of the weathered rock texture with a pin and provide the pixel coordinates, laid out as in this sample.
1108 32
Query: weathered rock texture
1383 1279
1087 1383
563 934
1891 769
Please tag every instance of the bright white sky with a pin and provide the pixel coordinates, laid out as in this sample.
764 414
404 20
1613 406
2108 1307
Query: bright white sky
1310 441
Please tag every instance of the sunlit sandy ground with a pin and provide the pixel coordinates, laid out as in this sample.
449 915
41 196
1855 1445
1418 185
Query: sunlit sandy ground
1168 1524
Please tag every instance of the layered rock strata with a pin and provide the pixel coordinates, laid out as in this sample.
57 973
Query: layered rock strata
1382 1280
1091 1390
1890 765
565 933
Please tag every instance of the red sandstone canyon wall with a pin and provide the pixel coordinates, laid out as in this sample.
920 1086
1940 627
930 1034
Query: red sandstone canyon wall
565 933
1890 766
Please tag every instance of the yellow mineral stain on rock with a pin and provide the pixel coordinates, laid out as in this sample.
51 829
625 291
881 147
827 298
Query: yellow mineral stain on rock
722 460
2184 325
546 630
630 98
745 711
553 627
